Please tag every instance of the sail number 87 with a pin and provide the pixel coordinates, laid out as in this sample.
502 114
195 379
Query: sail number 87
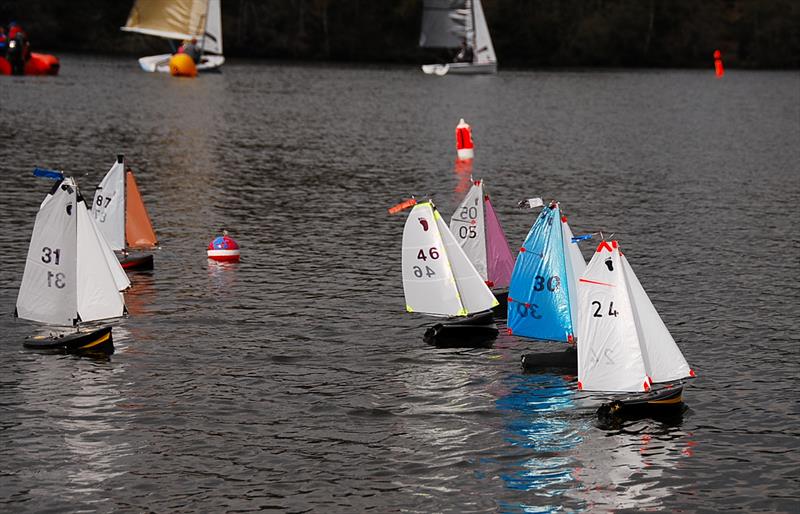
433 254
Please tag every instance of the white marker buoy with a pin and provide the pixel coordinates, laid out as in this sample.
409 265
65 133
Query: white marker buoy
464 145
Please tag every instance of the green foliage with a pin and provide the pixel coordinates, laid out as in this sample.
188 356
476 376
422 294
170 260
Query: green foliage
529 33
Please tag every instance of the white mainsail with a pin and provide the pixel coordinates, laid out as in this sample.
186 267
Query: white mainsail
623 344
108 206
468 225
120 277
575 266
484 49
179 19
475 295
67 277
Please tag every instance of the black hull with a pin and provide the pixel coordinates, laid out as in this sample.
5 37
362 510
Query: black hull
476 331
136 261
665 401
501 310
97 341
564 359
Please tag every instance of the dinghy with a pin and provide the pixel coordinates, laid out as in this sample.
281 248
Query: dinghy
440 280
179 20
70 277
542 295
625 347
122 217
477 229
451 24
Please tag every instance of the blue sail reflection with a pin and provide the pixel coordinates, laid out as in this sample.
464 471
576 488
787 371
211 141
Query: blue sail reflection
537 412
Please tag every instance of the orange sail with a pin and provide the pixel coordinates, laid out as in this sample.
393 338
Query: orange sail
138 229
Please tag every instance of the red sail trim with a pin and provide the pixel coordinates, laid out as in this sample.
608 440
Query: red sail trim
594 282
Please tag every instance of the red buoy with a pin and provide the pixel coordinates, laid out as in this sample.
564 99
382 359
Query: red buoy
464 146
719 70
223 249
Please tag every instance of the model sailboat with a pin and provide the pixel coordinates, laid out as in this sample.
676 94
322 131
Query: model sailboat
440 280
477 229
542 298
458 24
624 344
122 217
179 20
70 276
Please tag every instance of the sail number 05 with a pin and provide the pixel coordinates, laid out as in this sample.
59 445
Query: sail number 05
433 254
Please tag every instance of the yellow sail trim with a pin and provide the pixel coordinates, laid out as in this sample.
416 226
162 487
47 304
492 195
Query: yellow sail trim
409 309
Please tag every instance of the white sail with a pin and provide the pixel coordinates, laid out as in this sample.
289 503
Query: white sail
444 23
212 39
171 19
475 295
48 290
468 225
575 265
120 277
108 206
484 50
609 352
98 295
663 359
428 281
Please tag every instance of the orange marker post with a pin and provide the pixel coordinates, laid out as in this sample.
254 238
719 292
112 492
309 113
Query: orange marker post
720 71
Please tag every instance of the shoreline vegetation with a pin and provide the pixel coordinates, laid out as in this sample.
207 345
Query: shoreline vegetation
527 33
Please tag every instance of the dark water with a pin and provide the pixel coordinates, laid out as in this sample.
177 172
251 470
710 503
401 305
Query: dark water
295 380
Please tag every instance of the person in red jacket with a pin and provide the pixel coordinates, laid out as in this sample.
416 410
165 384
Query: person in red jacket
14 29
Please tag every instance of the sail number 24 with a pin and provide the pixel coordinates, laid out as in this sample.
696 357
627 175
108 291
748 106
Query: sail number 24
433 254
50 255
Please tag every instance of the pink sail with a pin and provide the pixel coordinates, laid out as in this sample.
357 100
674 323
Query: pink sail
500 261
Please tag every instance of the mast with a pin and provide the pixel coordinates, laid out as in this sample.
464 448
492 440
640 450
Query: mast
474 32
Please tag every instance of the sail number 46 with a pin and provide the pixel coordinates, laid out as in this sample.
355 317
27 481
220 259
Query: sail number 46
433 254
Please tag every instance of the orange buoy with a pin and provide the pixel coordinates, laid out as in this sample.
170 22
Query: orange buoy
181 65
719 70
464 145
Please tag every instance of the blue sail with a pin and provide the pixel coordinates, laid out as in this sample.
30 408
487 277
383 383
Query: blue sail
538 297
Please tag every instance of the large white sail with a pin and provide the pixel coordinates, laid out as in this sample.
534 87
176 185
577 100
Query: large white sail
444 23
475 295
171 19
575 266
663 359
108 206
428 281
609 353
98 295
48 290
212 39
468 225
484 49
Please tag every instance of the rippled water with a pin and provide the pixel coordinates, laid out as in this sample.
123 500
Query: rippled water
295 380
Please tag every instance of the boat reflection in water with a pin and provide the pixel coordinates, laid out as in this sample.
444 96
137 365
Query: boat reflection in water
578 466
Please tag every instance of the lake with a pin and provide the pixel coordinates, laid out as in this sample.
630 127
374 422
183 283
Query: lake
296 381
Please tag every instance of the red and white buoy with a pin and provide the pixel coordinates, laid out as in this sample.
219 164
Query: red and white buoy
464 146
719 70
223 249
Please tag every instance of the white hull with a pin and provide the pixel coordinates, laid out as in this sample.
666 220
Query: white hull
460 68
160 63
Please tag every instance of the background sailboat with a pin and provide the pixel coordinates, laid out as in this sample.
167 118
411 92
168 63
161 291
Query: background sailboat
122 218
624 344
477 229
179 20
451 24
542 298
440 280
68 277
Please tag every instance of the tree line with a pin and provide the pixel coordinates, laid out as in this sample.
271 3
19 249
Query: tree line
526 33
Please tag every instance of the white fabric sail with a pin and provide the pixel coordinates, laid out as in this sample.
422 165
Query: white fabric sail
98 295
475 295
468 225
484 49
108 206
120 277
609 353
575 265
428 281
48 290
171 19
212 39
663 359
